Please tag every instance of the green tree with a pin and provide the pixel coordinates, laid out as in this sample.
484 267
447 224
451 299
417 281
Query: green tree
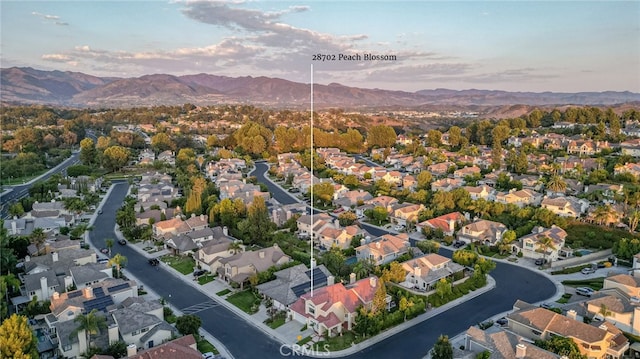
235 247
37 238
16 339
563 346
91 323
109 243
443 288
334 260
323 192
546 243
395 273
379 303
16 210
428 246
257 228
189 324
434 138
115 157
378 214
405 306
162 142
381 136
556 184
442 349
455 136
88 152
347 218
423 180
8 283
118 261
364 268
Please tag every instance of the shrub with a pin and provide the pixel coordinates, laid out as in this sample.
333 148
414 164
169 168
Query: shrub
519 255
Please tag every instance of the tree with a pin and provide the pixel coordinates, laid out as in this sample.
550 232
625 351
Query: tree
118 260
378 214
257 228
351 181
364 268
235 247
333 259
16 339
347 218
428 246
109 243
546 243
443 287
88 152
434 138
556 184
188 324
395 273
323 192
405 306
16 210
563 346
162 142
423 180
442 349
8 283
381 136
379 303
115 157
38 238
91 323
455 135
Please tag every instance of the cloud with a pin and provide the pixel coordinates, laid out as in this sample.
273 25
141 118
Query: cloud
57 57
53 19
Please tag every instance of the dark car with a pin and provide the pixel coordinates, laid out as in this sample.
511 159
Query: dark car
199 272
502 321
122 242
458 244
540 261
154 261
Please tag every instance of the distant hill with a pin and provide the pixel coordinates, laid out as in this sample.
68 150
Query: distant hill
31 86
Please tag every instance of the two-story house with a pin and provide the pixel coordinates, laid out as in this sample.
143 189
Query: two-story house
536 245
241 266
447 223
483 231
423 272
384 249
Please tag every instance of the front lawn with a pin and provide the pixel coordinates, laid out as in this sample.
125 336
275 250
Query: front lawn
278 320
204 346
183 265
245 300
593 283
204 279
223 292
338 342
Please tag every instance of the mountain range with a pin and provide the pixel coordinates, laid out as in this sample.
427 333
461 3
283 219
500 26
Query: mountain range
25 85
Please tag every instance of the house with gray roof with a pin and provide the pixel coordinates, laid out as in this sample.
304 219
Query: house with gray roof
239 267
293 282
142 329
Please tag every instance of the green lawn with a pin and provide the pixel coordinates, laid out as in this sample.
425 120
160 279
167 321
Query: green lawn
223 292
594 283
204 279
277 321
245 300
204 346
183 265
304 340
338 342
570 270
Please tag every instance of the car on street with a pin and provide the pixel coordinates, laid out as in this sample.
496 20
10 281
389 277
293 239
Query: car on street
294 190
154 261
122 241
208 355
586 291
546 305
100 211
104 250
502 321
458 244
588 270
103 261
338 210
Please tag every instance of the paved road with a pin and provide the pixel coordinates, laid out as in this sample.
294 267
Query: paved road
246 341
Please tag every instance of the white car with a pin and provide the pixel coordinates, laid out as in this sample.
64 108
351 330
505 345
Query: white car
586 291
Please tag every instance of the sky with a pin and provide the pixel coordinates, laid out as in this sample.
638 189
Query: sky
559 46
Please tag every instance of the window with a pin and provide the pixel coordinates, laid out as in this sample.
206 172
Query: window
135 332
144 330
312 309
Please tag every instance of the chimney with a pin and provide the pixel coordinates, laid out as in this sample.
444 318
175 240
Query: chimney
113 333
14 227
54 256
336 223
225 231
193 215
44 287
352 278
417 271
373 281
452 225
378 245
363 242
56 296
572 314
87 292
331 280
603 327
521 351
261 254
202 217
27 258
131 350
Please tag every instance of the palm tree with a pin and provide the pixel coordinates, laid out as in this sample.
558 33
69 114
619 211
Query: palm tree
8 283
364 268
109 243
37 238
235 247
481 207
556 184
603 214
634 218
91 323
546 243
118 260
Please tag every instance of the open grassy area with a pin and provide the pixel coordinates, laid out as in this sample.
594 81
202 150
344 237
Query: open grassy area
204 346
338 342
224 292
183 265
594 283
204 279
245 300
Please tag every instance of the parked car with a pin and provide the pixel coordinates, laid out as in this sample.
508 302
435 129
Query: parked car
104 250
458 244
540 261
586 291
199 272
587 270
103 261
294 190
338 210
502 321
208 355
122 241
546 305
154 261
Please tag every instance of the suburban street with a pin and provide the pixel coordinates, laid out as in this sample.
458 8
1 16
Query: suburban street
244 340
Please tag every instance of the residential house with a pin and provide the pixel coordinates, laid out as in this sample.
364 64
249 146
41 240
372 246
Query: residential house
521 198
142 329
586 147
167 157
409 182
619 310
384 249
423 272
631 147
333 309
334 235
537 323
446 184
402 214
170 227
306 227
483 231
209 255
447 223
282 213
293 282
184 348
466 171
241 266
532 245
386 202
394 177
566 206
24 226
352 199
481 192
501 344
631 168
440 169
626 283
